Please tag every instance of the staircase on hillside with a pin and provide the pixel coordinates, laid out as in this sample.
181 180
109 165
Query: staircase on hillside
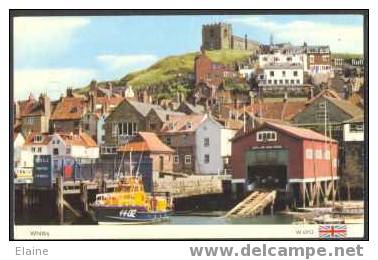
254 204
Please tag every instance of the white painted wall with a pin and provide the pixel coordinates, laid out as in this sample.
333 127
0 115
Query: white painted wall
83 152
17 148
212 130
100 130
352 136
57 143
246 73
226 135
280 58
281 76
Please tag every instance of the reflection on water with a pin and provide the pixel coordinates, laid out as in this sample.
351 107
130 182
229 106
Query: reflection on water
214 220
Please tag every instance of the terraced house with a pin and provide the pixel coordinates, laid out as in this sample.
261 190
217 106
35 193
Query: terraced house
130 117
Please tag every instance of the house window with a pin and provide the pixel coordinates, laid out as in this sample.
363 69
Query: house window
291 81
188 159
264 136
281 81
68 150
207 158
126 128
356 127
309 154
275 82
39 150
271 73
176 159
312 59
103 138
295 73
269 81
286 81
283 73
326 155
168 140
30 120
206 141
298 81
318 154
33 149
55 151
38 138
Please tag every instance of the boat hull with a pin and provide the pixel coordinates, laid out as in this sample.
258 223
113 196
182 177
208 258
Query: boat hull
128 215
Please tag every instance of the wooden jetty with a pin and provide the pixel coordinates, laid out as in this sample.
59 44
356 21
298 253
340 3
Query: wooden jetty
254 204
63 189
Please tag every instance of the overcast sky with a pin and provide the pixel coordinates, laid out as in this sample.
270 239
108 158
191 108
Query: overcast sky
51 54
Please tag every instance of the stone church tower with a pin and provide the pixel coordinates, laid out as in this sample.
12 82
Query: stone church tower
217 36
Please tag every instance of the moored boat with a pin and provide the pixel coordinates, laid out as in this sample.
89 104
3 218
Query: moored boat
130 204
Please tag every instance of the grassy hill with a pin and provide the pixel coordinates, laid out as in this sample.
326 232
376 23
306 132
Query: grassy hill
347 55
172 67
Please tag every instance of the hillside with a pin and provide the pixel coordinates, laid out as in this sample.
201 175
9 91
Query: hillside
172 67
347 55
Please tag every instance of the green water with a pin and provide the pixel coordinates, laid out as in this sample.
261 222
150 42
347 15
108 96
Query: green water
216 220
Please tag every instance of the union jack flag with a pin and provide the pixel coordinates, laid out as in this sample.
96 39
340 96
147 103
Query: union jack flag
332 231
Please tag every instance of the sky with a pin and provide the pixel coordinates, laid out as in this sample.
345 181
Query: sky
53 53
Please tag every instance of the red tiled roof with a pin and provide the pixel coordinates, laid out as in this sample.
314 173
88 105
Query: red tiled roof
276 110
302 133
109 100
82 139
70 108
46 138
179 123
146 142
297 132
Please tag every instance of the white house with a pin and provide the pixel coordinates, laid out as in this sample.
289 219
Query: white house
246 72
18 142
354 130
281 75
213 146
61 145
101 130
280 57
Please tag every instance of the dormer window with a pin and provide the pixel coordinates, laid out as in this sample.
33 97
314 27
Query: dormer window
266 136
189 125
171 126
38 138
74 110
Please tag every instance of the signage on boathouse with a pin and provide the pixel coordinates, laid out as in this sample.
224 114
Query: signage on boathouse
42 171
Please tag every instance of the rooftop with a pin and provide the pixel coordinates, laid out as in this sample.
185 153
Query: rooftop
146 142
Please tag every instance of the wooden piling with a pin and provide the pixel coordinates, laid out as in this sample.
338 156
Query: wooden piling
84 196
59 199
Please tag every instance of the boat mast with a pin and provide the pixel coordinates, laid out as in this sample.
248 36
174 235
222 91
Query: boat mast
130 170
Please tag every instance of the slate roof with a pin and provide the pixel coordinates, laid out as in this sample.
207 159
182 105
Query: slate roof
179 123
144 108
346 106
146 142
162 114
197 109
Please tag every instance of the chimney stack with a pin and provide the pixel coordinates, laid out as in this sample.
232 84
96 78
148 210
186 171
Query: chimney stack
45 103
110 88
93 85
69 92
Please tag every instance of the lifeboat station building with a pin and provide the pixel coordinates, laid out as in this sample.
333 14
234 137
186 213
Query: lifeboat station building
297 161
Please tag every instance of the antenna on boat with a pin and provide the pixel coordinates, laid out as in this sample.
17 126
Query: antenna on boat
130 170
140 160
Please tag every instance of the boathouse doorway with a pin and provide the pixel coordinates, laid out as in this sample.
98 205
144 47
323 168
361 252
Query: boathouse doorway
267 168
